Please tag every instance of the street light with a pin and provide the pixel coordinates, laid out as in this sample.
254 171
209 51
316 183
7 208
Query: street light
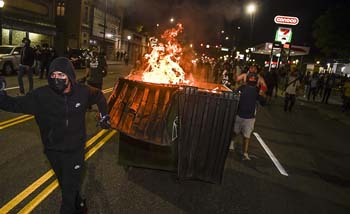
129 38
172 20
2 4
251 10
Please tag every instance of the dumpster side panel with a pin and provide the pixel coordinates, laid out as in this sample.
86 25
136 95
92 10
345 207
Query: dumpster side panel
144 111
207 121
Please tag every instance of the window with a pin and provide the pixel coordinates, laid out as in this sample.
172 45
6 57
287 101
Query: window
17 50
60 9
86 15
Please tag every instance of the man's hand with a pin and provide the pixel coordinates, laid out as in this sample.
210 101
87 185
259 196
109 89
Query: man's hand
105 122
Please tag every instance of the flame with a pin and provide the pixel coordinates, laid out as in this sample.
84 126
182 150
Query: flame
163 61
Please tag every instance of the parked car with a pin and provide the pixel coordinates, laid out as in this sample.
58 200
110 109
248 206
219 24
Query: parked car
10 57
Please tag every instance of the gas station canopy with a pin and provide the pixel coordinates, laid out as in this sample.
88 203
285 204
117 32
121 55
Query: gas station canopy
265 49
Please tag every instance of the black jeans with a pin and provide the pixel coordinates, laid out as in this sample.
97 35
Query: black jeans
289 102
25 69
326 95
313 92
68 167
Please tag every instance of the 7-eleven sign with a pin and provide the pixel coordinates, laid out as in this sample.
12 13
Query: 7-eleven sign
283 35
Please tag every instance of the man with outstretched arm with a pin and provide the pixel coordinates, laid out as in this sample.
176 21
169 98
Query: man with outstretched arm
59 109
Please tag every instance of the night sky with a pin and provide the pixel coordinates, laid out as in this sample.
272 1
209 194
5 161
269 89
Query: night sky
204 19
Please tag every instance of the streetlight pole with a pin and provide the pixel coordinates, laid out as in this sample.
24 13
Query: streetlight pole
251 9
104 29
2 3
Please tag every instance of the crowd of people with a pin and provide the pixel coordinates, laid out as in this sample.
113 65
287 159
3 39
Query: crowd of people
261 85
286 81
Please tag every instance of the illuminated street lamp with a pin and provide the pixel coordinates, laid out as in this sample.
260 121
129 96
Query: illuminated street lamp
172 20
226 38
129 38
251 10
2 4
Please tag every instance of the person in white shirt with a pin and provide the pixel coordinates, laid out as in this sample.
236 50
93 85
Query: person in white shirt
292 86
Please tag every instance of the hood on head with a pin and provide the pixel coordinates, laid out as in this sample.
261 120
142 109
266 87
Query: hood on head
63 65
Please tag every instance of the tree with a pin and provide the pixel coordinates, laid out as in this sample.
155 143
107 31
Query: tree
332 32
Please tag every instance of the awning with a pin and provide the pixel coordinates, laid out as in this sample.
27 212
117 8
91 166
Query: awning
29 26
265 49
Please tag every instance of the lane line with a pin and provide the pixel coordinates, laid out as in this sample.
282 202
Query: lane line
271 155
13 119
48 190
11 88
36 184
16 122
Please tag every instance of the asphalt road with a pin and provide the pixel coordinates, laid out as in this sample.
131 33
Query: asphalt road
312 149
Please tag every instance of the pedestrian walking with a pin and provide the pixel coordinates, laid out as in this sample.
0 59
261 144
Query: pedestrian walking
118 55
292 86
246 112
313 87
45 61
59 109
126 58
37 60
330 83
26 66
96 70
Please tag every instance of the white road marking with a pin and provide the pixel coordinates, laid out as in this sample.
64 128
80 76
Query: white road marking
271 155
7 89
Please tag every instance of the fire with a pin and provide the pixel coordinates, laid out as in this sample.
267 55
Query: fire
163 61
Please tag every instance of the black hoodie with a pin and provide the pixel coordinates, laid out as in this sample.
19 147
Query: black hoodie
60 117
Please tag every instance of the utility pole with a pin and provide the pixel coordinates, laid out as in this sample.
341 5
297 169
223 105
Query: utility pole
104 46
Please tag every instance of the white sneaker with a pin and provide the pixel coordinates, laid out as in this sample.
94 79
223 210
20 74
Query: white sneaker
246 156
232 145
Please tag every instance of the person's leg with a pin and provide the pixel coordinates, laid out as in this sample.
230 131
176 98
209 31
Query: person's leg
314 92
286 101
329 91
30 78
276 90
247 129
309 93
72 171
20 74
292 102
245 148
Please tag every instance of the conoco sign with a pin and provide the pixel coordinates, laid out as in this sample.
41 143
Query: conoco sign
286 20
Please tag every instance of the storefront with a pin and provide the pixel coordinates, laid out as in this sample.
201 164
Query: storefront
28 18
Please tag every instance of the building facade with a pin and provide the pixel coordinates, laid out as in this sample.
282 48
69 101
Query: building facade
89 24
33 19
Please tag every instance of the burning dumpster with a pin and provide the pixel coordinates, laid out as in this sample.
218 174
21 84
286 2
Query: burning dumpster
170 123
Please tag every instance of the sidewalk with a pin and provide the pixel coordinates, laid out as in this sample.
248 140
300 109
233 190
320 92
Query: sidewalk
112 62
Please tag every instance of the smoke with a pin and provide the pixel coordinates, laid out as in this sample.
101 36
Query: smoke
202 19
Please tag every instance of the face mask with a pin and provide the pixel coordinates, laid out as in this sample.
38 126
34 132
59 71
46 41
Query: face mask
58 85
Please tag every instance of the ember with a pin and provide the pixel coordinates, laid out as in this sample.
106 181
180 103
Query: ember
164 60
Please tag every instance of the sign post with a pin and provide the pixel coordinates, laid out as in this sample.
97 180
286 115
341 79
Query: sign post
283 36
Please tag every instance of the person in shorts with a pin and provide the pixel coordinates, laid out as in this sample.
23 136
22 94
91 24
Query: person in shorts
251 94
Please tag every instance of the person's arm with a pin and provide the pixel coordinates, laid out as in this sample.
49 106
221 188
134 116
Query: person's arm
24 104
241 77
97 97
